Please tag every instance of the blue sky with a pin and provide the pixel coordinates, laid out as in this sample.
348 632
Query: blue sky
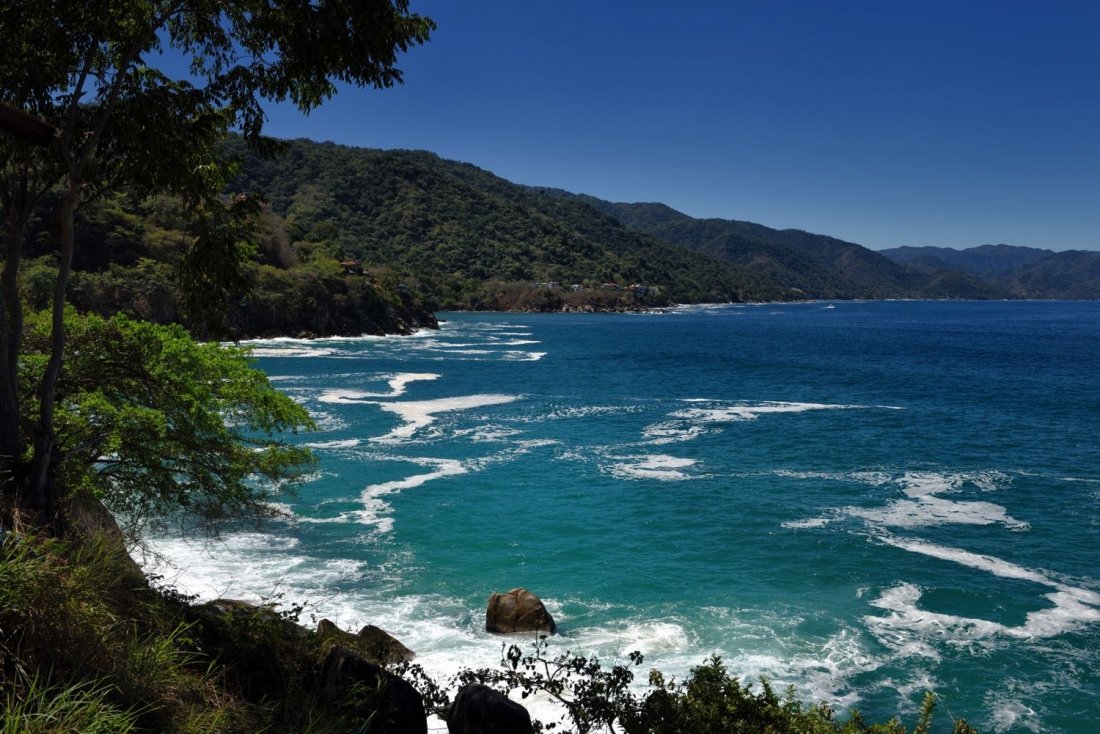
883 123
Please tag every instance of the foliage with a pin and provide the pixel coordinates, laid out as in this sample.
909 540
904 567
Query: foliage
154 423
81 707
709 701
792 261
89 71
456 229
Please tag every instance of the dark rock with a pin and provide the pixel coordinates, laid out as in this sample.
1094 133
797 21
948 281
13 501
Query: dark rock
263 652
373 643
391 703
518 611
479 709
384 647
89 520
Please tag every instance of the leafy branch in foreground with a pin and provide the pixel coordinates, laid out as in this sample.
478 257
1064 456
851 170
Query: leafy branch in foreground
155 424
709 701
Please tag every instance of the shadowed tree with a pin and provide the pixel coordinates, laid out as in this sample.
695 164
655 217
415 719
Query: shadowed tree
96 72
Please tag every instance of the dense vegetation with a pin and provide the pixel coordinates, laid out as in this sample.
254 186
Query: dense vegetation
129 260
463 235
816 266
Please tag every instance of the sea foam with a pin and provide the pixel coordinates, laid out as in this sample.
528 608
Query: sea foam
419 414
376 510
653 466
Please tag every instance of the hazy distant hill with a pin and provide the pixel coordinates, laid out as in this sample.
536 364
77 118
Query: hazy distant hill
1073 274
986 261
1023 272
818 265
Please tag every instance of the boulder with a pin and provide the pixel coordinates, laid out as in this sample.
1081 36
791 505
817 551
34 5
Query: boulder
388 701
479 709
518 611
384 647
374 643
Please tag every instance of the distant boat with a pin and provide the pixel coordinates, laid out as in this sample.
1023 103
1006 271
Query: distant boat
830 306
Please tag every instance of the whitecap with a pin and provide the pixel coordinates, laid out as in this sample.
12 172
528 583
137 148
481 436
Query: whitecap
487 433
813 522
748 412
1071 607
376 510
653 466
671 432
930 510
397 383
513 356
346 443
419 414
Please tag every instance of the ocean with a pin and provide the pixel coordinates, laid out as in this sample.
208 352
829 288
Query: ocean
862 500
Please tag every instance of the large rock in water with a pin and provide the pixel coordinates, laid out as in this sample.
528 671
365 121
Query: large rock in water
518 611
389 702
479 709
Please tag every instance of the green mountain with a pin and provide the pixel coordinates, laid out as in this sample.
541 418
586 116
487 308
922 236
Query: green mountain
469 239
128 255
816 266
1022 272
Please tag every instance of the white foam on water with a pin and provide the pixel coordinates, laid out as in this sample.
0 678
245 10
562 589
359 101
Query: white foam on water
930 510
587 411
872 478
327 421
658 434
376 510
1071 607
813 522
419 414
1009 713
652 466
346 443
922 484
398 384
491 433
923 508
238 565
292 352
748 412
515 356
517 342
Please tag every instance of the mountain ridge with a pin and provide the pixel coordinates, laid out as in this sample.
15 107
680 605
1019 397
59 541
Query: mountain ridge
469 238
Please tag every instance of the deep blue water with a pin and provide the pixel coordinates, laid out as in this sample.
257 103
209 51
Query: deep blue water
866 501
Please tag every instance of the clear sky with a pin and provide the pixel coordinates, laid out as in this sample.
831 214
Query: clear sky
877 121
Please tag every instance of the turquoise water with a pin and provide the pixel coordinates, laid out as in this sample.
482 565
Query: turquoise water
865 501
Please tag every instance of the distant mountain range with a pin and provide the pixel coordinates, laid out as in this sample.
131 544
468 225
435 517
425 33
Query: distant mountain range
466 238
357 240
1020 272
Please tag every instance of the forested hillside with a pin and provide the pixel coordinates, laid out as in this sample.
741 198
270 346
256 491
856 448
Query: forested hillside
816 265
469 239
129 260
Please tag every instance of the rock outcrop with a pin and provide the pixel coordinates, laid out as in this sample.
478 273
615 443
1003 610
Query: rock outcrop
518 611
372 642
393 706
478 708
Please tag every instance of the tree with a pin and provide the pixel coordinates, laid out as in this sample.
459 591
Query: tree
89 69
156 425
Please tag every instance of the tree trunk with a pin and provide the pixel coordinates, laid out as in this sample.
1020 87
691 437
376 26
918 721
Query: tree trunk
43 491
11 335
